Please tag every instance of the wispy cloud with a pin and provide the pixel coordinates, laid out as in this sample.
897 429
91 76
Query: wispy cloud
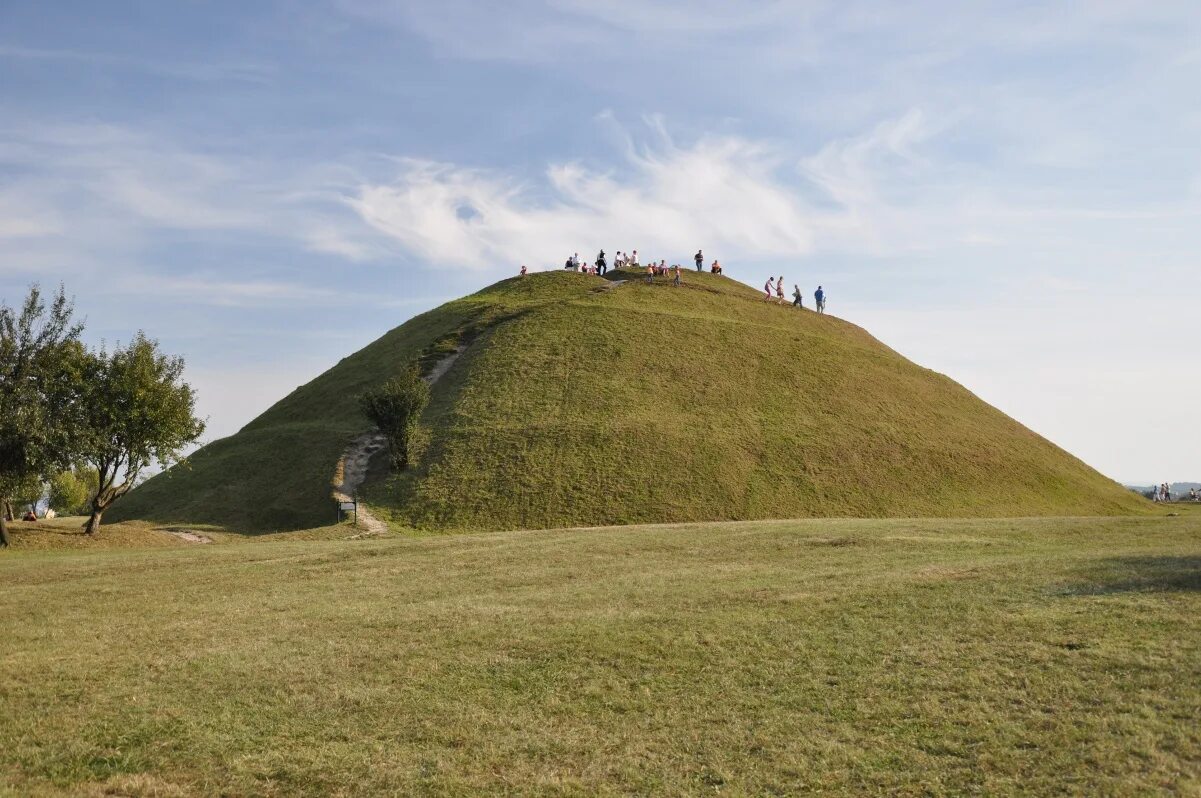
127 185
721 192
245 72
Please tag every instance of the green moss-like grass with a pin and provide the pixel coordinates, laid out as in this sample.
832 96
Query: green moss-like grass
575 405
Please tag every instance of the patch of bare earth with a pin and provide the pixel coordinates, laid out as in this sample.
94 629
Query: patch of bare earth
351 470
187 534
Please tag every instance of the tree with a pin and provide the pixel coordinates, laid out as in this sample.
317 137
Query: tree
135 412
39 359
30 494
21 494
71 490
394 407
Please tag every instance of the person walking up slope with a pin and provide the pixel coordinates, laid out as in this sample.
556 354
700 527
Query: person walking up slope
798 301
819 296
767 290
780 290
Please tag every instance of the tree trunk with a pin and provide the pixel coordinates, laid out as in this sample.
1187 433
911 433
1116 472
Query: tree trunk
93 525
3 532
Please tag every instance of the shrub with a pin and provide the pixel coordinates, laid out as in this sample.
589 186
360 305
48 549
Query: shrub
394 407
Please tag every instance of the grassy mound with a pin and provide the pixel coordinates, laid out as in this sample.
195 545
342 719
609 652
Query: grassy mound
581 402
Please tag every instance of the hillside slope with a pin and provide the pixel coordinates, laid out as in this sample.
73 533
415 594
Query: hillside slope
578 405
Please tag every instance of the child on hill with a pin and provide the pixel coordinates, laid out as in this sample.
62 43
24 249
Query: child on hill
650 273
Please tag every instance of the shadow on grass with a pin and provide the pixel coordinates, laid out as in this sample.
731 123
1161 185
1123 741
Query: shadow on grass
1139 575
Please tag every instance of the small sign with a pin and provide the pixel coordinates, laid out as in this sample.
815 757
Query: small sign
347 506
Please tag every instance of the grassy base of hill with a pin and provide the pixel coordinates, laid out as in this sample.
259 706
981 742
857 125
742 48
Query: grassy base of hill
1006 656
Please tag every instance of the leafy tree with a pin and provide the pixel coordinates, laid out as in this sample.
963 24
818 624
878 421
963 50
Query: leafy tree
70 490
135 412
29 495
394 407
22 493
40 356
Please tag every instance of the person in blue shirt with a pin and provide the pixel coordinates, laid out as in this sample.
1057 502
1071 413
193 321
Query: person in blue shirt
819 296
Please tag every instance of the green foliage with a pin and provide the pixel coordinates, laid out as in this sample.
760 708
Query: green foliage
135 411
575 405
71 490
394 408
39 357
29 493
829 657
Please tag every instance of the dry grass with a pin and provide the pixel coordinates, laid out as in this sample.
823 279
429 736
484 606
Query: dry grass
1008 656
67 533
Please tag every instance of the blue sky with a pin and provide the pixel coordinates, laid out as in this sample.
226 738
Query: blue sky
1006 192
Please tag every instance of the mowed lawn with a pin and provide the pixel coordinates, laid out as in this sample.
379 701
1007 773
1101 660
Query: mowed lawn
1042 656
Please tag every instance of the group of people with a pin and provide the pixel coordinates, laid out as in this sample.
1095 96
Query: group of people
629 260
1163 493
775 285
31 514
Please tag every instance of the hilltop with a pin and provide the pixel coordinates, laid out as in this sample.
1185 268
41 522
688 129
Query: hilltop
578 400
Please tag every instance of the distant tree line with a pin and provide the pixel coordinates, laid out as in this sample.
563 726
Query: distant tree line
82 424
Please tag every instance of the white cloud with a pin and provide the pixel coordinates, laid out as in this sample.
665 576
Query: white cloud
722 193
23 219
85 189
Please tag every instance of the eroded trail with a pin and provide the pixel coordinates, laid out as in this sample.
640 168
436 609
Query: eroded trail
187 534
351 469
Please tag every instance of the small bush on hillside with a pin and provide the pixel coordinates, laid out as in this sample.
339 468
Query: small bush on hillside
394 407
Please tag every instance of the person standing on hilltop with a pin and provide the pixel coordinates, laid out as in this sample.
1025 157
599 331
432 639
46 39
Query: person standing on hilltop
798 301
676 270
523 270
601 266
634 259
700 261
819 297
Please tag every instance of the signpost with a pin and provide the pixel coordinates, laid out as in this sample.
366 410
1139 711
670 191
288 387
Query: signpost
349 506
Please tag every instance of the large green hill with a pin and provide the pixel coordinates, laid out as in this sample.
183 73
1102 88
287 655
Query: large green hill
580 401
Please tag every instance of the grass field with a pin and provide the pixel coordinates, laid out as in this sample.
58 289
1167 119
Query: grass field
1043 656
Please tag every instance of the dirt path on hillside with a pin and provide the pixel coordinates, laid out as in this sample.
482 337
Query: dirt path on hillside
187 534
351 470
